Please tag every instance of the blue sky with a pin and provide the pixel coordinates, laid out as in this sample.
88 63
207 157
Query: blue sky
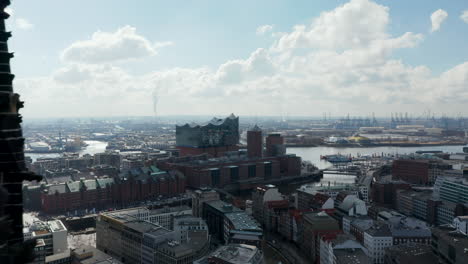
205 35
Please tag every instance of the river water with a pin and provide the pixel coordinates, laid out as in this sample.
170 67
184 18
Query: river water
313 155
92 148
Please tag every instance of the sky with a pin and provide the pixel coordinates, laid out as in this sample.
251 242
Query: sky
93 58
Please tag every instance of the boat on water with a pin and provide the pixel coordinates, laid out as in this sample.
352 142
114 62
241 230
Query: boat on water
336 158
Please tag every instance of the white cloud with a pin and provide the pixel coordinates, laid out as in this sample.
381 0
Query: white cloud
20 23
464 16
437 18
159 45
340 62
123 44
354 24
23 23
261 30
73 74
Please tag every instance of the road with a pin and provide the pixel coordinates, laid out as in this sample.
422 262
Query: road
288 250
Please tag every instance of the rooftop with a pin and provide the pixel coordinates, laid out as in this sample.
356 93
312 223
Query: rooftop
223 207
351 256
176 249
379 230
214 122
314 189
58 257
362 222
235 253
452 236
136 224
412 253
321 220
91 255
243 221
56 225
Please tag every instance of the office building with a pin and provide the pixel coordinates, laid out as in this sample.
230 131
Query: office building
268 204
162 216
39 252
234 254
376 240
461 223
449 244
185 225
112 159
410 253
90 255
316 227
418 171
52 233
307 192
357 226
234 168
409 230
241 228
342 249
129 239
201 196
274 145
228 223
452 189
254 142
384 192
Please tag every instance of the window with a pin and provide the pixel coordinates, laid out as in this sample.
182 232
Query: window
234 174
215 175
252 171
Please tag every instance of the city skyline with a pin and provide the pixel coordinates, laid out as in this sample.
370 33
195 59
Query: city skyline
296 59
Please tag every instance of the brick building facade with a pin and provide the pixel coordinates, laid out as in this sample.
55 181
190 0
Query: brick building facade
202 171
101 193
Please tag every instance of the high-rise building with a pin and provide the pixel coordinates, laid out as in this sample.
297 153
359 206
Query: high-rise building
13 169
275 145
201 196
317 227
254 142
215 137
